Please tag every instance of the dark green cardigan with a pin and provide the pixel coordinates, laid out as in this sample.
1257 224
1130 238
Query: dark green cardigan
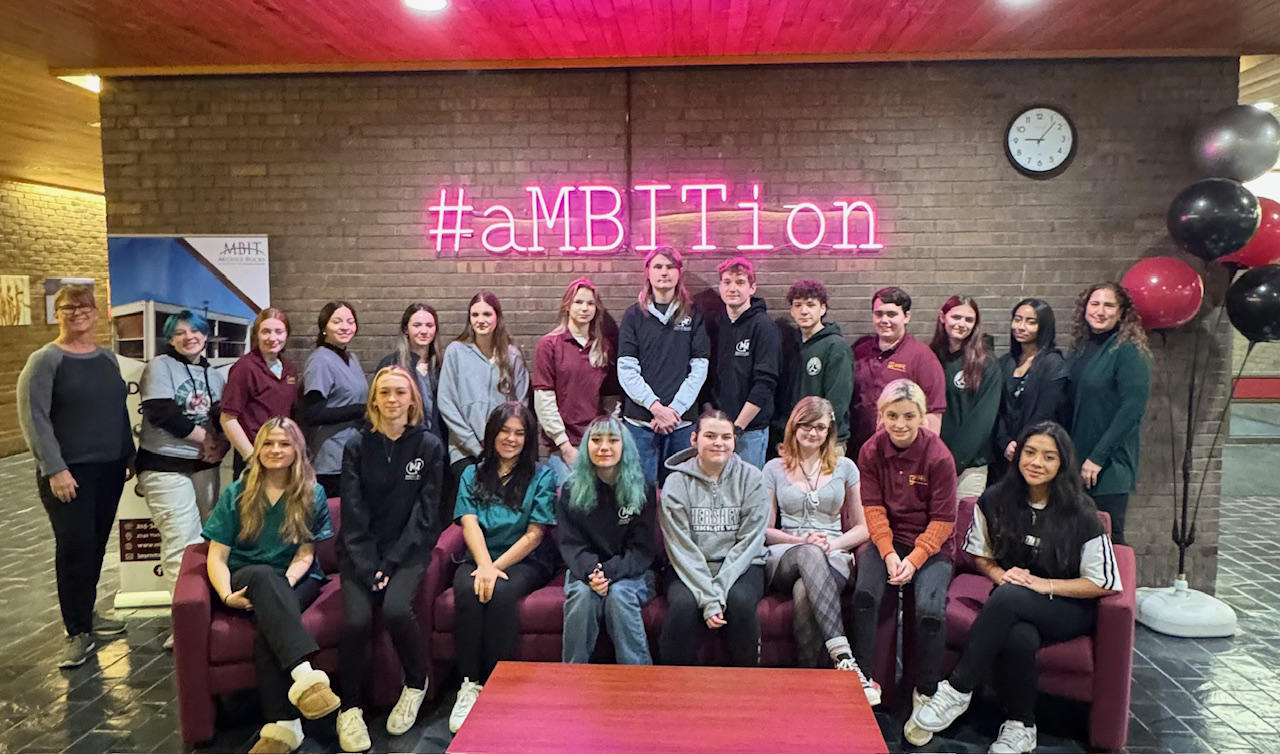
1106 418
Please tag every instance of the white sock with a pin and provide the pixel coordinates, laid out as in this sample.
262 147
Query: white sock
838 646
294 726
298 671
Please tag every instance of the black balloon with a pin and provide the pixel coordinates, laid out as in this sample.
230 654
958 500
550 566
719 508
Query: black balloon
1213 217
1240 142
1253 304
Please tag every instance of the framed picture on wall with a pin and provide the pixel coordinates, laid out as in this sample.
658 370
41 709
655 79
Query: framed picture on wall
51 286
15 300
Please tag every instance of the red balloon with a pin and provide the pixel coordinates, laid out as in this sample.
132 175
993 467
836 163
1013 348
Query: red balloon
1165 291
1264 247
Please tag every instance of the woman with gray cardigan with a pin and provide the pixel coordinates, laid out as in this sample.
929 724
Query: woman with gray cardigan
71 406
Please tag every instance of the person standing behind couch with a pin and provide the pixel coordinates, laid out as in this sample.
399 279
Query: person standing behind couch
1110 382
260 385
713 515
973 391
823 365
1034 376
416 351
181 448
391 476
71 407
334 393
605 519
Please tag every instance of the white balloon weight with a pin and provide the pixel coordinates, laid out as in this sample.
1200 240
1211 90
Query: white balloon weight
1181 611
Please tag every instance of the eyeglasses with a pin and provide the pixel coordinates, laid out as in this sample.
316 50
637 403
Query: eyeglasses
807 427
73 308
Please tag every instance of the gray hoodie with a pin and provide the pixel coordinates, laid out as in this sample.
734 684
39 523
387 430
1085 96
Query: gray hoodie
468 393
714 529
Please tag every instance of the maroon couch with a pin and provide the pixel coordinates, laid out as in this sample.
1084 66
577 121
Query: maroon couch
1096 669
213 644
542 620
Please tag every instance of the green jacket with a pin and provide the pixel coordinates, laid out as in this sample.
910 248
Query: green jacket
970 419
825 368
1106 418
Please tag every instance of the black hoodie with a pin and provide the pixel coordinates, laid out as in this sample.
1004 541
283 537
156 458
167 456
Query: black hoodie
747 357
390 501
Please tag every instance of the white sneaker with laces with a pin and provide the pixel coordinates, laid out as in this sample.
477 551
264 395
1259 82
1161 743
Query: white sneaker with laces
943 708
1015 738
405 713
915 735
869 687
467 696
353 734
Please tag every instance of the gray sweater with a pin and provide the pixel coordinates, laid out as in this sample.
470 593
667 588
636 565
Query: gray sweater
714 528
71 407
468 393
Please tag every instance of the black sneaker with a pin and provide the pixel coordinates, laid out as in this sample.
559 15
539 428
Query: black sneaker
77 650
104 626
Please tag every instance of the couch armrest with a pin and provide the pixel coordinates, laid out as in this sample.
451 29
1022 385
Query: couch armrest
441 567
192 612
1113 658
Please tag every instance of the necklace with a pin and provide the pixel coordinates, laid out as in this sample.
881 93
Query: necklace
811 481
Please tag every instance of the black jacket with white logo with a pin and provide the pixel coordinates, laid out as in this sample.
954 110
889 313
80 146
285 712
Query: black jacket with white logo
746 362
390 501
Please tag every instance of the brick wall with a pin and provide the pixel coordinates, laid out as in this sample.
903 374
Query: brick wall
337 170
44 232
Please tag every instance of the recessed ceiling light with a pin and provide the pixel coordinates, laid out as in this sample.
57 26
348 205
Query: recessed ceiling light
1265 105
87 81
430 6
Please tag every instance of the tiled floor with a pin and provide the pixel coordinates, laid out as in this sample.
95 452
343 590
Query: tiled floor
1188 696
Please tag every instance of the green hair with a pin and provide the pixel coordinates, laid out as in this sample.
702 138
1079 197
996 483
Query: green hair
628 486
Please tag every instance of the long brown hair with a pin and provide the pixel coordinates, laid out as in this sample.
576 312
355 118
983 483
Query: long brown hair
599 355
808 410
974 346
299 492
269 313
371 412
501 342
1128 328
404 347
683 302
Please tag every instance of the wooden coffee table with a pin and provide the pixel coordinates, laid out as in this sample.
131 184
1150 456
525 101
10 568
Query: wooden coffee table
537 707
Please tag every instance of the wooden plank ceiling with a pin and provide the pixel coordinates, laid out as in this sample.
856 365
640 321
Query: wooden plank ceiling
44 124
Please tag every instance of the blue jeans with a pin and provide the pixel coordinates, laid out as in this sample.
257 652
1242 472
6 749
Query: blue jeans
752 446
556 463
656 448
620 608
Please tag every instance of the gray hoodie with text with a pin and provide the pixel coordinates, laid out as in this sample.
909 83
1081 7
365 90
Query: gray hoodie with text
714 528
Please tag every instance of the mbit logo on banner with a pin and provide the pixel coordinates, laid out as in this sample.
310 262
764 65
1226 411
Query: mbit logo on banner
587 220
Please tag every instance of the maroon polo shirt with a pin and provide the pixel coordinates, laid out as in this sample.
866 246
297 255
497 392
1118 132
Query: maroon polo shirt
253 394
564 367
916 485
873 369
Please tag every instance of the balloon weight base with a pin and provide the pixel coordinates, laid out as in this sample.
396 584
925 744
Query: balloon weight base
1180 611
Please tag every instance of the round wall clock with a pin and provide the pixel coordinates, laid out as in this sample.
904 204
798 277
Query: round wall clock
1040 141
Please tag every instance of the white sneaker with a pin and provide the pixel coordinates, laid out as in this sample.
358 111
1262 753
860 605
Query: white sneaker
915 735
943 708
405 713
1014 738
168 642
869 687
467 696
353 734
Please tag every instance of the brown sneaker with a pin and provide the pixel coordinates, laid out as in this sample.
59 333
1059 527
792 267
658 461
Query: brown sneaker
275 739
312 696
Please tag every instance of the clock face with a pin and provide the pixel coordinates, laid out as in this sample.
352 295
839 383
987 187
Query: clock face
1040 141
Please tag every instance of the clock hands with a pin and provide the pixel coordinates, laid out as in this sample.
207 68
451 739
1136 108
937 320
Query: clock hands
1046 132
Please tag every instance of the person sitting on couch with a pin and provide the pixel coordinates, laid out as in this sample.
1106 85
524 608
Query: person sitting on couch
262 536
713 516
1037 536
504 506
605 518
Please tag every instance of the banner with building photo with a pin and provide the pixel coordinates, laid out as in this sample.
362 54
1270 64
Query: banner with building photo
223 279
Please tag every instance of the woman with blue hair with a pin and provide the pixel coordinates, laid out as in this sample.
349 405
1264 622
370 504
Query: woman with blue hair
181 440
605 527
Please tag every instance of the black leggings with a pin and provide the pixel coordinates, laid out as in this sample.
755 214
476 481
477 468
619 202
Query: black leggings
815 588
81 527
1014 624
281 642
485 633
396 601
684 625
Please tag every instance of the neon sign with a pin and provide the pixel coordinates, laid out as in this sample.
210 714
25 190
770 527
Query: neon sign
588 220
